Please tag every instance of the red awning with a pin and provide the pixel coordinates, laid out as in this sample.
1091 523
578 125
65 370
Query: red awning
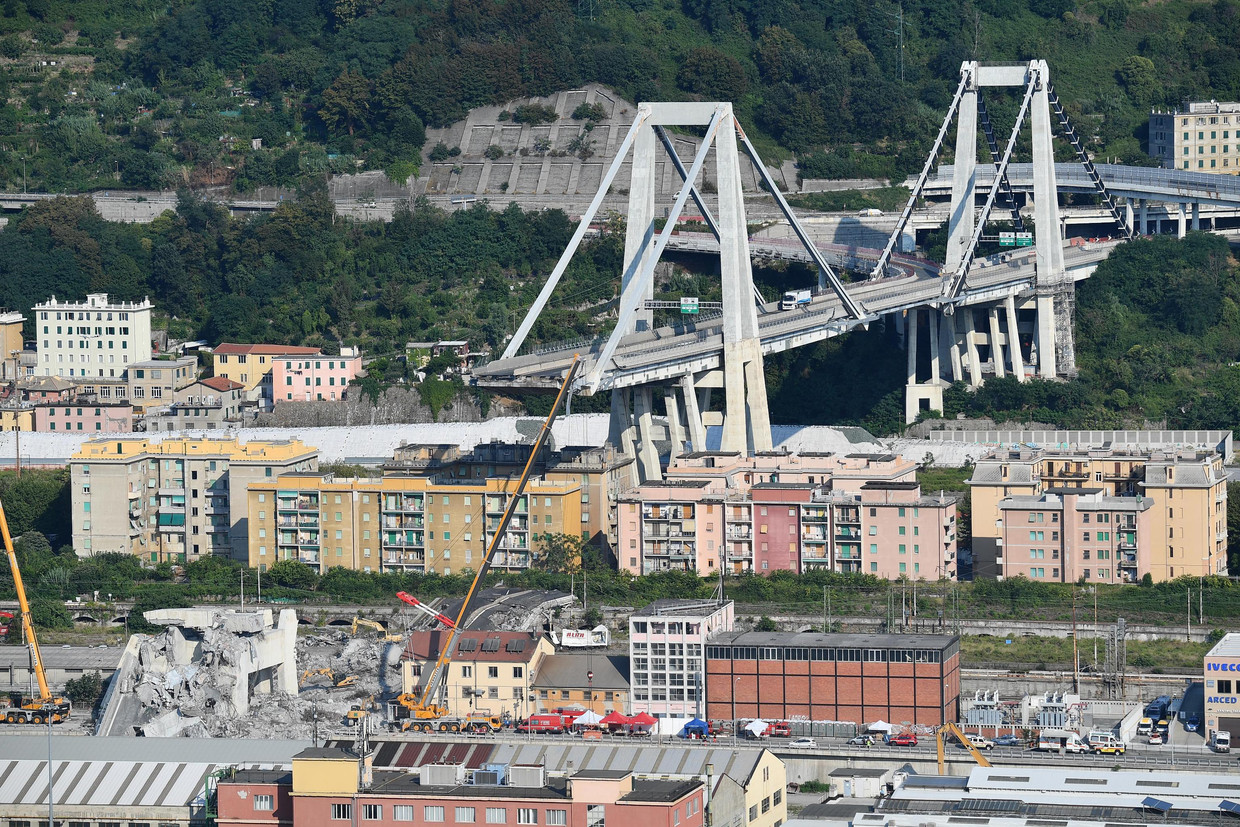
614 719
643 719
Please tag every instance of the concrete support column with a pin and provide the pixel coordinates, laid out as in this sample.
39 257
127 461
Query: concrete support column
755 397
962 219
952 333
932 321
622 433
675 433
639 230
1144 212
1013 341
734 436
647 454
970 341
1129 218
996 347
1181 221
1046 337
899 327
693 414
911 346
1196 215
1047 244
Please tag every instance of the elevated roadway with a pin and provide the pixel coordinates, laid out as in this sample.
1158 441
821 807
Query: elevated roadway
668 353
1150 183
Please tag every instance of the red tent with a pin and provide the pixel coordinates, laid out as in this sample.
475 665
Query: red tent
643 719
614 719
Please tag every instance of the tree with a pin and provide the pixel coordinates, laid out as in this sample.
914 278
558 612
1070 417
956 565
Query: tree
560 553
292 574
765 624
85 691
1139 78
346 102
712 74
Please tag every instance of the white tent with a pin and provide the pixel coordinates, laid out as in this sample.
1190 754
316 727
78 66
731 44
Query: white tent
879 726
588 718
757 727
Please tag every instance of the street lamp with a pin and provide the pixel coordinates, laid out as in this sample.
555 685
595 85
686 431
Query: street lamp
590 684
48 710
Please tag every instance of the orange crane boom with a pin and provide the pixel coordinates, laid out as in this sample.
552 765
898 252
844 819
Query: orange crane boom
428 706
34 710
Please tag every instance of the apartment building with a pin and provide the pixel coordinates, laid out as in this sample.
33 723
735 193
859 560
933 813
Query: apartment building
250 366
405 523
157 382
603 473
1201 137
12 343
1186 514
833 677
1071 534
206 405
491 672
667 641
175 500
94 338
314 378
595 681
333 785
860 513
84 415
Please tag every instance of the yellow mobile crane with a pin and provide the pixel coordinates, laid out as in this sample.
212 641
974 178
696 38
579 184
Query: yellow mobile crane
950 729
15 709
429 711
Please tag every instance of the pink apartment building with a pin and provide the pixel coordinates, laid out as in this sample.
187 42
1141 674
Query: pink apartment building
313 378
1071 534
859 513
83 416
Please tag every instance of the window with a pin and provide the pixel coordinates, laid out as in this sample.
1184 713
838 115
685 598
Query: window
342 812
1224 687
596 815
492 671
402 812
527 815
464 815
264 802
497 815
430 813
557 818
372 812
753 813
779 796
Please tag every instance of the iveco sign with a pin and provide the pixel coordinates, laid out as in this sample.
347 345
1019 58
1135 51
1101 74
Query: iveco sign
1223 667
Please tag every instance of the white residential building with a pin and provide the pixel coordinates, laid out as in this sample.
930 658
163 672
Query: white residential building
92 339
667 655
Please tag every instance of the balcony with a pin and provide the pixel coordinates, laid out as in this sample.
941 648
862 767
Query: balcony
217 529
496 506
739 533
740 554
299 504
848 515
842 534
309 555
399 523
404 505
849 567
410 539
511 560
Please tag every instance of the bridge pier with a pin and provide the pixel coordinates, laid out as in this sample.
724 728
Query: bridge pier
1196 215
1145 217
1181 220
1013 341
996 343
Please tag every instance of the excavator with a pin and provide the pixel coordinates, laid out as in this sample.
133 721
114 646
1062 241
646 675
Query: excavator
949 729
428 710
14 708
363 623
337 681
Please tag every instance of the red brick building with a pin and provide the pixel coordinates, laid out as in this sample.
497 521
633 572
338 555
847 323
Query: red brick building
859 678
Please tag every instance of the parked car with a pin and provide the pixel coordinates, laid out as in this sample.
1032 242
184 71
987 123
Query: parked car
1192 724
1009 740
803 743
902 739
1156 738
1145 726
1163 726
980 741
861 741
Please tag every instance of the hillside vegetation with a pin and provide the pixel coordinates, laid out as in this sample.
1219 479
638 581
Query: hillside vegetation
144 94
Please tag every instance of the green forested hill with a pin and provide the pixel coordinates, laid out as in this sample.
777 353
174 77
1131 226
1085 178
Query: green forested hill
146 94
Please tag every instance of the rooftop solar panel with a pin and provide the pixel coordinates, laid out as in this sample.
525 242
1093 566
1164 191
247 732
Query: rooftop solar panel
1152 803
491 644
1229 807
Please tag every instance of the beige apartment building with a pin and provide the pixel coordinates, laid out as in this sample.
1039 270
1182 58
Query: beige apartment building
405 523
1201 137
155 383
175 500
1185 529
491 672
11 345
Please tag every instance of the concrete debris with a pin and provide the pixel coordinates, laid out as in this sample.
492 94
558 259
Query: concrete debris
207 664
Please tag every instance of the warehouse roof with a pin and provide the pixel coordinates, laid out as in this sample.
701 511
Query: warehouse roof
816 639
566 671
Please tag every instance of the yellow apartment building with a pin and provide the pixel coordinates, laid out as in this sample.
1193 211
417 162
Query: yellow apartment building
490 673
1188 489
405 523
175 500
